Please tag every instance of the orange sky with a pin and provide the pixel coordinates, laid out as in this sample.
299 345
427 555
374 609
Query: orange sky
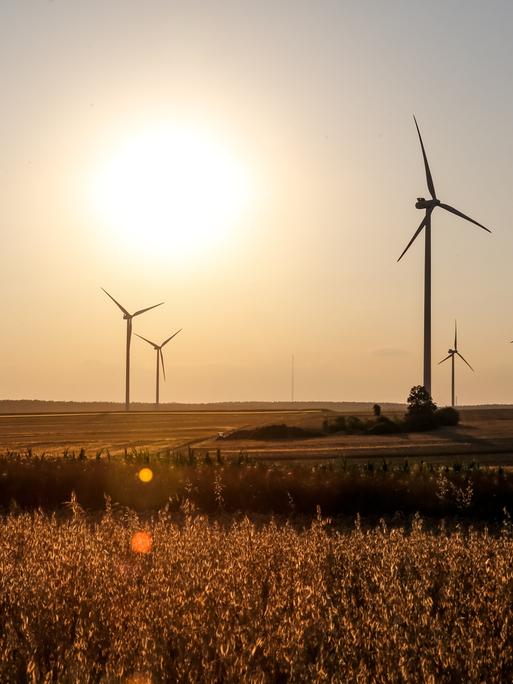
313 103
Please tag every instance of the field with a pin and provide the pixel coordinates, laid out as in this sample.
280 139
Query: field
224 567
119 599
117 431
483 434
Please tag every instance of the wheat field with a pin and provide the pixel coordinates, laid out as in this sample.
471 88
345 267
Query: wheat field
116 598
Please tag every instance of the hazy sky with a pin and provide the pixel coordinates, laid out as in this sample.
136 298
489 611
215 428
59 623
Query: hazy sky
310 103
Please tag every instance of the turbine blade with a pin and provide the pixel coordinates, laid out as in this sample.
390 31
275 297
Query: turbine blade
447 357
117 303
141 311
422 224
455 337
467 218
468 364
170 338
148 341
429 179
162 362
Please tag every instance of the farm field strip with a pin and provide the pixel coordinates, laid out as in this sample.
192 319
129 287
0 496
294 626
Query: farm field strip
482 434
117 431
150 412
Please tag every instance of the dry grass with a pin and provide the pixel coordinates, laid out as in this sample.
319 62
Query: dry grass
240 602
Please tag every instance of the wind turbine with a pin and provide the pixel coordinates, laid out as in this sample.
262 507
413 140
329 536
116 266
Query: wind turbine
128 318
452 353
160 357
429 205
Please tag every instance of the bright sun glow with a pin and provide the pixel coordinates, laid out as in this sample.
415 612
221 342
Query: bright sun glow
170 191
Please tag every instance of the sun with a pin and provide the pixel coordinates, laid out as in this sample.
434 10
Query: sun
170 191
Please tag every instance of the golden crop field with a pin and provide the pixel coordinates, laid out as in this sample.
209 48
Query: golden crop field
123 599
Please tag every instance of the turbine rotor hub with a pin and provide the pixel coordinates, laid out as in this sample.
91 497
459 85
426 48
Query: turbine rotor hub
423 203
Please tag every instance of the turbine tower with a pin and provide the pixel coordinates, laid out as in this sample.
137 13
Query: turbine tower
160 357
429 205
128 318
452 353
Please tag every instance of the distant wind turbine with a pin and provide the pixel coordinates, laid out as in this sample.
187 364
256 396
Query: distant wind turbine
128 318
429 205
160 357
452 353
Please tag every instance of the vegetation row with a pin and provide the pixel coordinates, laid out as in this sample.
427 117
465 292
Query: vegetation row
421 415
214 483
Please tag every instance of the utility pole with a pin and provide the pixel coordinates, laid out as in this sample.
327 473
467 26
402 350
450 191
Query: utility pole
292 380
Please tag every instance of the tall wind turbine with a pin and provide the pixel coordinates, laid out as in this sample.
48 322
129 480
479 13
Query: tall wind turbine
452 353
160 357
128 318
429 205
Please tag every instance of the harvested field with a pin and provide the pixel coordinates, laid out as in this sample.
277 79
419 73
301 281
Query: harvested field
55 432
483 434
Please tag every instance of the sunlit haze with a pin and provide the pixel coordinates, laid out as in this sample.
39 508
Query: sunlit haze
255 166
169 192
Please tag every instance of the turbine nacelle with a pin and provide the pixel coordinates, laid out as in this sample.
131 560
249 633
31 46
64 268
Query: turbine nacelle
423 203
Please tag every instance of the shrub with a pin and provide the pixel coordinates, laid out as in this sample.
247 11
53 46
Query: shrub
420 422
337 425
354 425
384 426
447 415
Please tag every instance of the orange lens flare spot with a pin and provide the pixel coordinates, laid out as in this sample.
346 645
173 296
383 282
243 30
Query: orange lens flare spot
145 474
141 542
138 678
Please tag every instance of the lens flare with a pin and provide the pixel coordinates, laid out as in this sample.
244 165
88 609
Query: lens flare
141 542
145 474
138 678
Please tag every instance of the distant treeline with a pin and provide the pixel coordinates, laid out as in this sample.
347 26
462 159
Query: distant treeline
42 406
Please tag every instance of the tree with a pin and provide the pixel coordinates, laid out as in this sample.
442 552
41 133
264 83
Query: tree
421 411
420 402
